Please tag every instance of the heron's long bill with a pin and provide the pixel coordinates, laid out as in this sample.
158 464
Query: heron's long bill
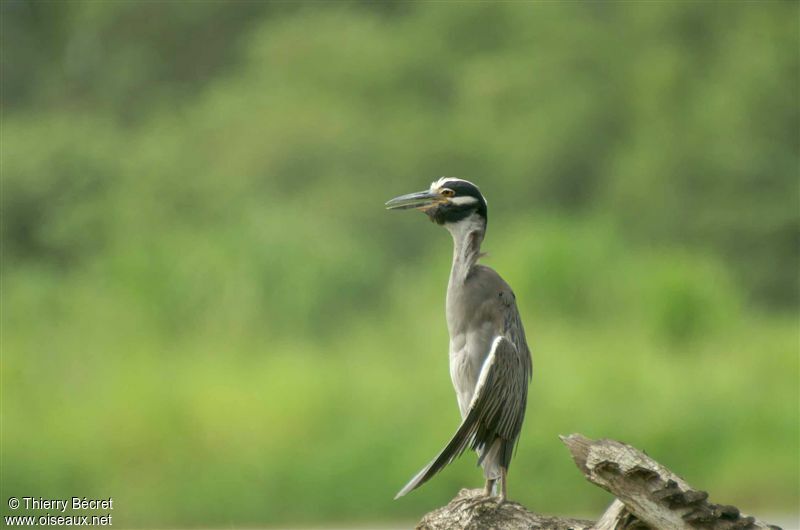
420 199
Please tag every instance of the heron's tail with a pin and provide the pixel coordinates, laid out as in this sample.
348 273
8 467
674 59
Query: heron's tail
461 440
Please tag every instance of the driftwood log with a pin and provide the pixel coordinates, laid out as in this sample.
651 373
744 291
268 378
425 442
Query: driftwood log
648 497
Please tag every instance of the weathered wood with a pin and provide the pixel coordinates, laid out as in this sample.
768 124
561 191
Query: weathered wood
617 517
649 491
472 510
649 497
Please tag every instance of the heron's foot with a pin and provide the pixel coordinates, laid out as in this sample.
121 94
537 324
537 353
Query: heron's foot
503 484
488 490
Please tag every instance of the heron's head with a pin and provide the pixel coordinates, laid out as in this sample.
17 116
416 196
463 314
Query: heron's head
447 201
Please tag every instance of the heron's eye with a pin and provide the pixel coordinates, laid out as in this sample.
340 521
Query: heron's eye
447 192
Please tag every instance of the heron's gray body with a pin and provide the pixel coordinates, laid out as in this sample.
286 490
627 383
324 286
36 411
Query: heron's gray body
490 363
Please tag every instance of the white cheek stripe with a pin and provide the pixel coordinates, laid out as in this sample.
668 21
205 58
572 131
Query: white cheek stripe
466 199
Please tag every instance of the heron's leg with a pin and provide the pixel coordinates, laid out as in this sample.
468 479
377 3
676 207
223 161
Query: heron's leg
503 480
489 486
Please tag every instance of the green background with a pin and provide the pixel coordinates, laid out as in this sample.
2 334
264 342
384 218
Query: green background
208 315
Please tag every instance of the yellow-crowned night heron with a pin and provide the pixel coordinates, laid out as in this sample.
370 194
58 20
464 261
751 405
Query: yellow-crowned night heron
490 363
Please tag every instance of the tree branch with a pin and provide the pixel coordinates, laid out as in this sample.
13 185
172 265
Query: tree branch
649 491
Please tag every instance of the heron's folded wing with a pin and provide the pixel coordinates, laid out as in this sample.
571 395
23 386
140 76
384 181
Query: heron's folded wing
497 409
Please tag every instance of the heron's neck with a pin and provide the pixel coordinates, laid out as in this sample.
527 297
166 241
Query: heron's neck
467 237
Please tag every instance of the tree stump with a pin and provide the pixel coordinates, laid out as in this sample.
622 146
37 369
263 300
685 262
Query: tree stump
472 510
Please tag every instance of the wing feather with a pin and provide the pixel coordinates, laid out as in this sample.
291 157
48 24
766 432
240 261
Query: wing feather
497 409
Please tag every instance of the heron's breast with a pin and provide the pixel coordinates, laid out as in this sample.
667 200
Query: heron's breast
468 351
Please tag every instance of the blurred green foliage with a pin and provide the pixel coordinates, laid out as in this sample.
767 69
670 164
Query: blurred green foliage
208 315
